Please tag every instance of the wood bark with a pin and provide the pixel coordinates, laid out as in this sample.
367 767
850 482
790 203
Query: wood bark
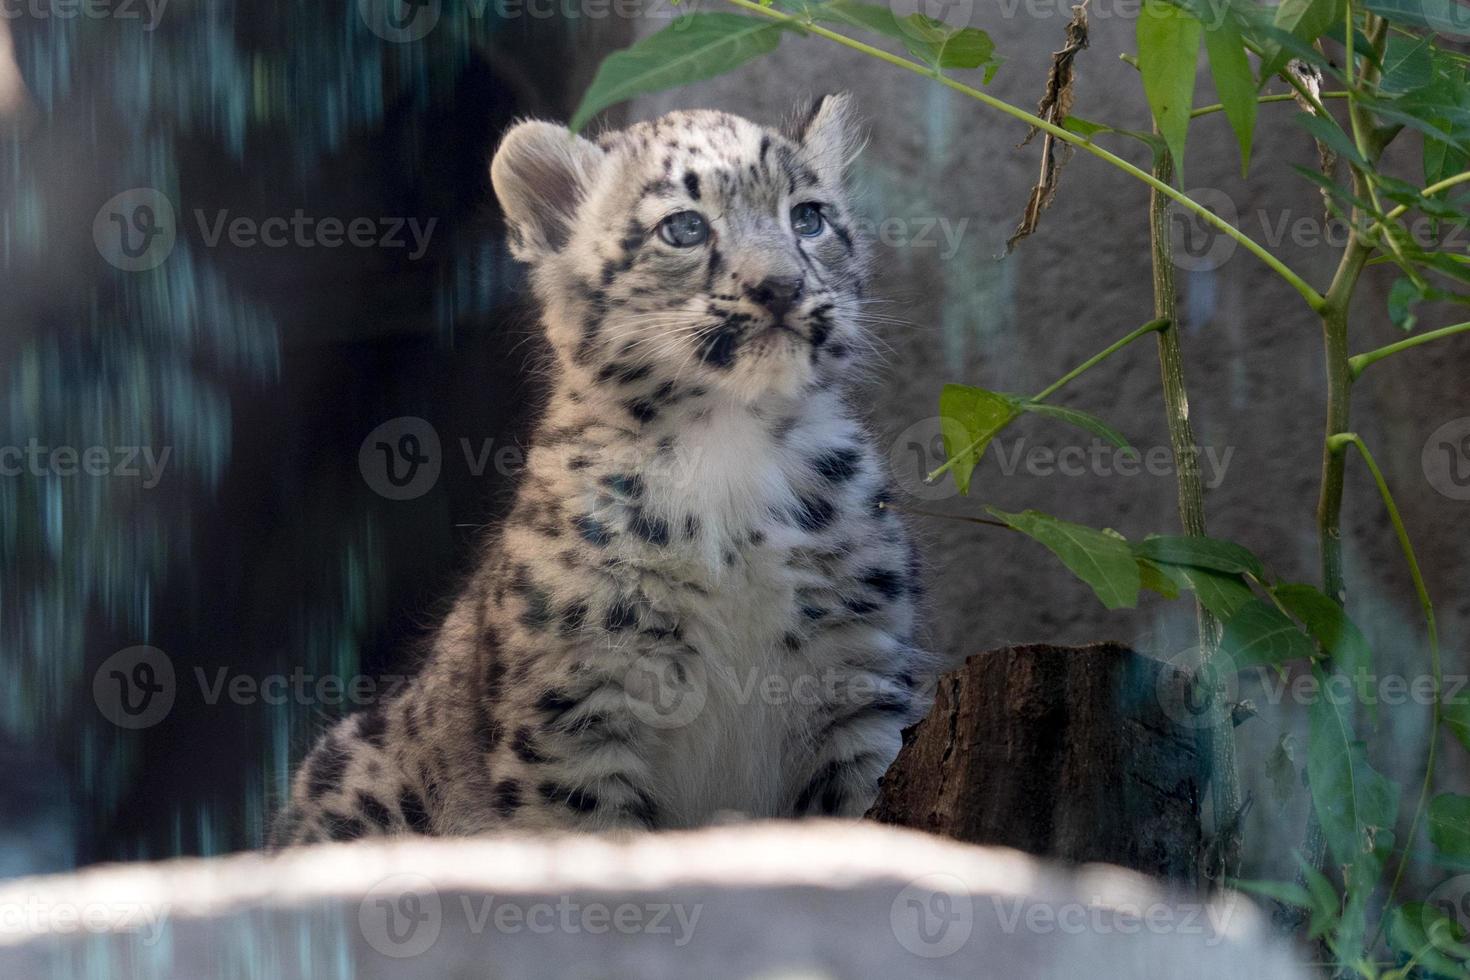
1074 753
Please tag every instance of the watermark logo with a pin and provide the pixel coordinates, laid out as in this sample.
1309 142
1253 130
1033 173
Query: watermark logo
1201 697
664 692
87 9
933 916
918 451
1198 245
400 21
1446 459
134 688
400 459
401 916
1450 898
135 231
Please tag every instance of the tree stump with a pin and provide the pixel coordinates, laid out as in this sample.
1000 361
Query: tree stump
1074 753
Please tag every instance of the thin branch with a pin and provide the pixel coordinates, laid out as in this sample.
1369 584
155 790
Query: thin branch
1205 110
1359 362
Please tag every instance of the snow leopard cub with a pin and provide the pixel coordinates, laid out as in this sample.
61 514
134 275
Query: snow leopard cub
697 605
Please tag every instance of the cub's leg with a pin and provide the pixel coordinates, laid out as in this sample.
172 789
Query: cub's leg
867 697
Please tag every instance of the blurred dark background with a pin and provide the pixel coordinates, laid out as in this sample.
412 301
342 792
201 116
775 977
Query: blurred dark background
261 548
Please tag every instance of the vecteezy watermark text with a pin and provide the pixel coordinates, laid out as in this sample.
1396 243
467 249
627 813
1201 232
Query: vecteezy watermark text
307 231
127 462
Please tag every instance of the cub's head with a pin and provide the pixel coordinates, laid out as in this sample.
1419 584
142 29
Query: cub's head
698 251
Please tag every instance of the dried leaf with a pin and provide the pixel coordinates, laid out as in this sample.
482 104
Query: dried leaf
1054 106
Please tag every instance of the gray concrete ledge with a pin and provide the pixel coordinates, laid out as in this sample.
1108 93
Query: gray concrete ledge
775 900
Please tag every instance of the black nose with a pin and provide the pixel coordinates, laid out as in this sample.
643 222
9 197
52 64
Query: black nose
776 293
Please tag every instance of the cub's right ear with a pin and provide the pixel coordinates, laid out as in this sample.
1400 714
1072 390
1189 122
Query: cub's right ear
541 172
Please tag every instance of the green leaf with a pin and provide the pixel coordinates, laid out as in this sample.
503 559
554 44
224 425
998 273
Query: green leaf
1354 802
1259 633
1287 892
947 47
1328 132
1102 560
1219 592
872 17
1329 625
1084 127
1152 578
1081 420
1222 556
1407 63
1304 20
1449 824
694 47
1442 16
969 418
1425 934
1402 297
1456 715
1326 906
1168 56
1234 84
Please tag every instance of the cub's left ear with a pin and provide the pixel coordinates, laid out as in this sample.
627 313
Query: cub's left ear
541 173
829 134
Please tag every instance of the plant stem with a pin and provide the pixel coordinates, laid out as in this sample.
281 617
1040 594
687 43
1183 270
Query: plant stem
1313 298
1224 779
1205 110
1338 444
1359 363
1161 325
1329 500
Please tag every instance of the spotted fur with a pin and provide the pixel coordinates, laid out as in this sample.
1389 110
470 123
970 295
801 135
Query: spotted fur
698 604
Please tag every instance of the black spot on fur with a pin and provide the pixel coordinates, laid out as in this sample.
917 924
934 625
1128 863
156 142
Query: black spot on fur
717 347
792 642
573 618
575 799
507 795
592 530
691 526
579 463
411 805
837 465
524 746
654 530
372 808
627 484
556 703
691 184
620 616
889 583
342 828
859 607
642 409
372 726
326 767
814 513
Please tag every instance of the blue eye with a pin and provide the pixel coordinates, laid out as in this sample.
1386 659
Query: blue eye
684 229
806 220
